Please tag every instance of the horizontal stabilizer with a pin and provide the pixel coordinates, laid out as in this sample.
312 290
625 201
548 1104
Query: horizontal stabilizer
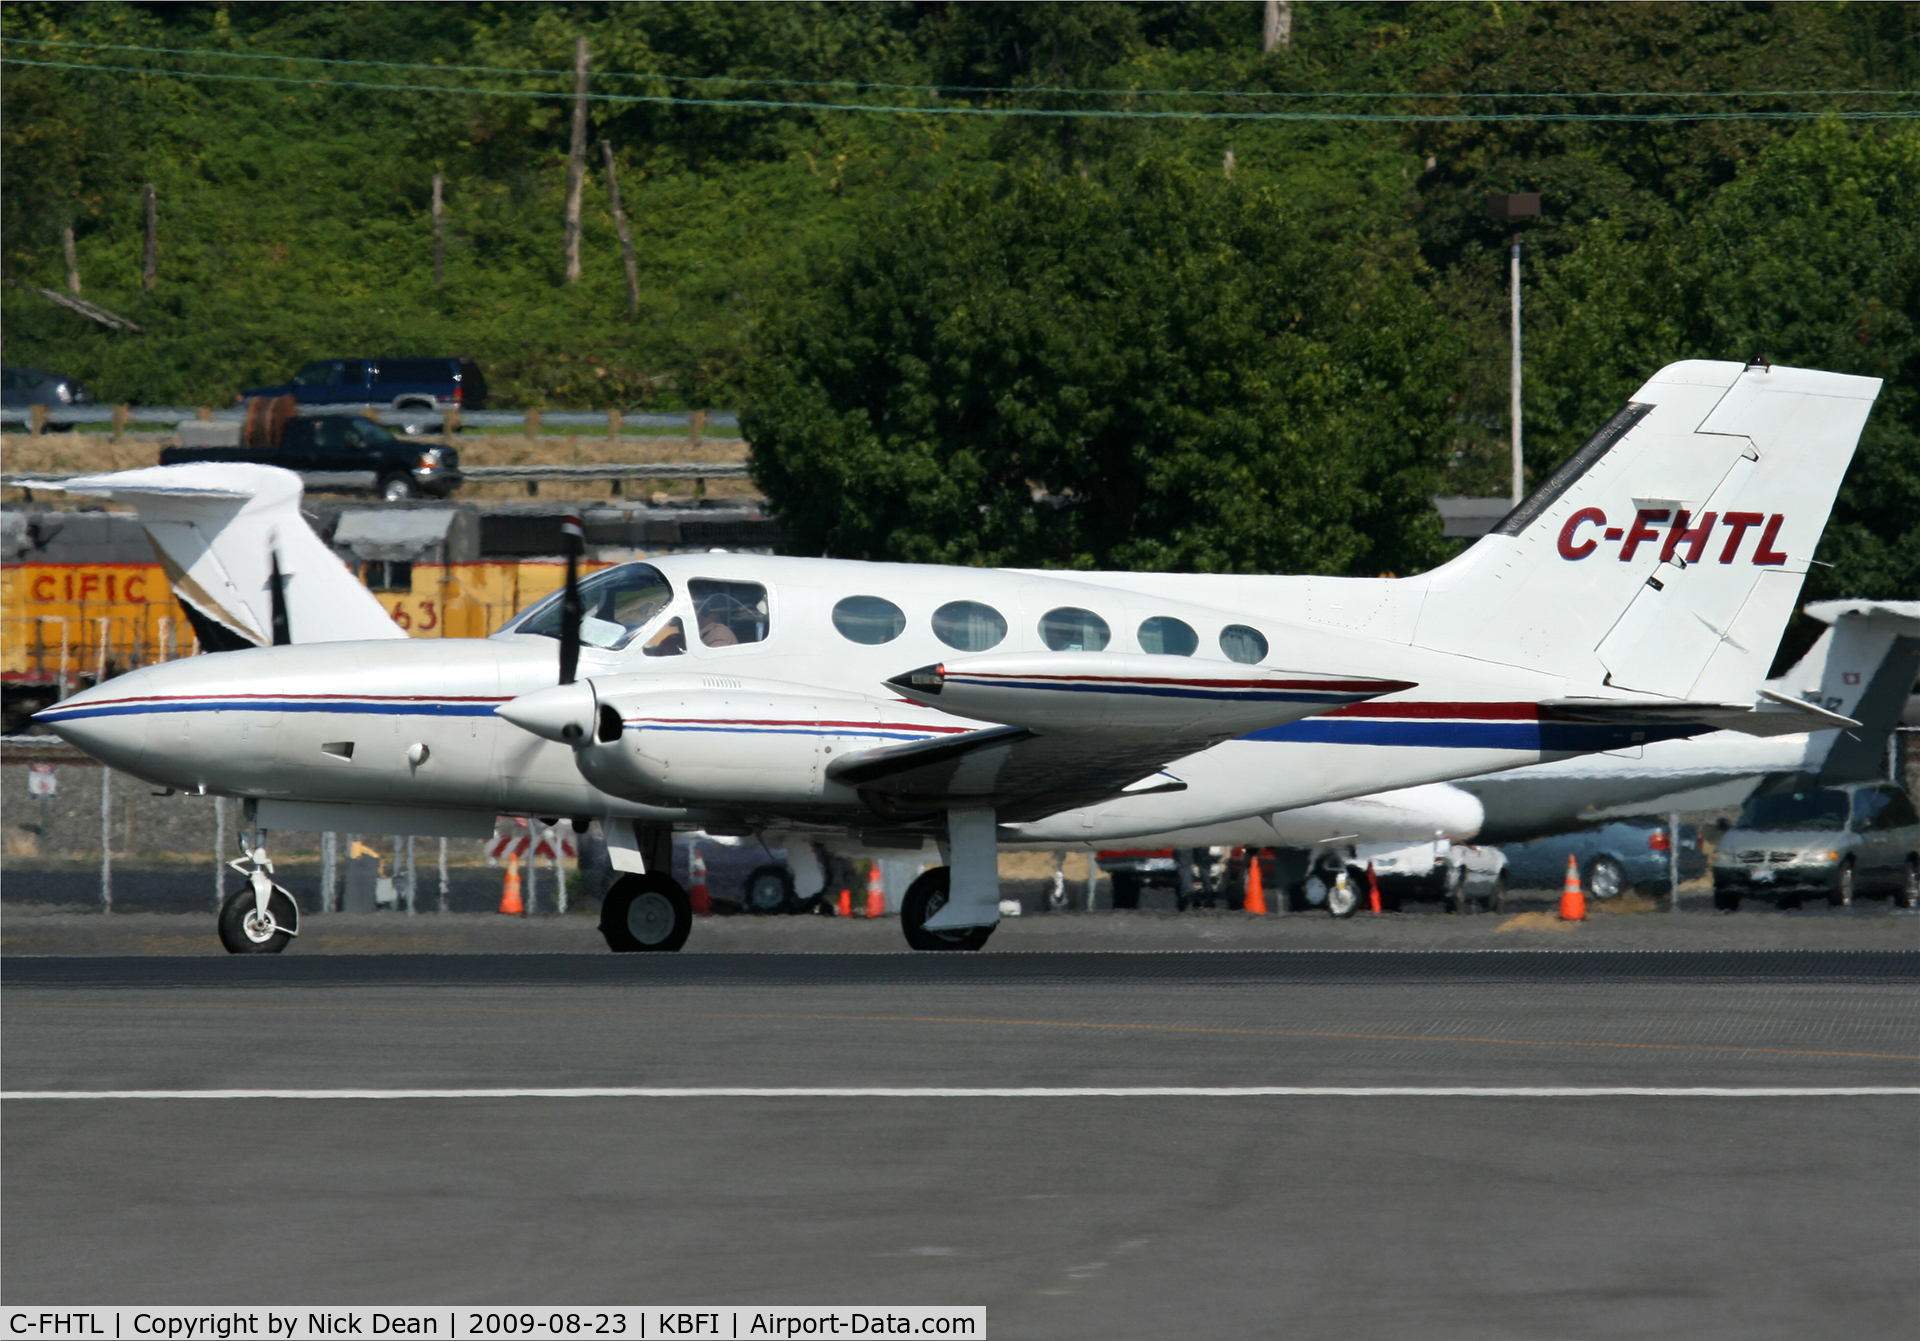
1778 715
1094 691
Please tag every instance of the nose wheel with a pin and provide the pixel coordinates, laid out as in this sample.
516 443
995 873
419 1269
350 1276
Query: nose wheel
260 917
645 912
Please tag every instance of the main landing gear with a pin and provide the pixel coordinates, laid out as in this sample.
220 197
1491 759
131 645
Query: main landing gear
260 917
927 896
646 912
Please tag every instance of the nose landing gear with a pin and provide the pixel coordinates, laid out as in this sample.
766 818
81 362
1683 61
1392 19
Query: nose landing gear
260 917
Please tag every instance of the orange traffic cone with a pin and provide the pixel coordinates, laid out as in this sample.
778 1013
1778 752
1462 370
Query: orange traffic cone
1573 900
1256 899
1373 889
876 892
697 874
510 892
846 903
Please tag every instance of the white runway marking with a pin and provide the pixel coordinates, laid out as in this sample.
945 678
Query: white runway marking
1033 1092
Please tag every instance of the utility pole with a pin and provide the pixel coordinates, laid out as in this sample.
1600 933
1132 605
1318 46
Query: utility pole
1277 31
73 260
439 247
150 259
576 160
626 237
1514 208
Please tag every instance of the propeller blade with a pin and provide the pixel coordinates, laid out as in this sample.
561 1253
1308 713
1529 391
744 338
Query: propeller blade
277 591
574 538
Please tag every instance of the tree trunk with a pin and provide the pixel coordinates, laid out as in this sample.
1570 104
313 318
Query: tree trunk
626 236
439 246
1278 29
73 260
150 260
576 160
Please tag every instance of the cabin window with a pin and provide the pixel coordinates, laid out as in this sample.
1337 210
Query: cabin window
615 604
969 626
729 613
1242 644
1071 629
869 619
1165 636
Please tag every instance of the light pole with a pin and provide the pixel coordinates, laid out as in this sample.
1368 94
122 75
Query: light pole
1515 208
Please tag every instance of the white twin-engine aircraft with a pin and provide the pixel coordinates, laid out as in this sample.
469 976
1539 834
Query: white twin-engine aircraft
1636 596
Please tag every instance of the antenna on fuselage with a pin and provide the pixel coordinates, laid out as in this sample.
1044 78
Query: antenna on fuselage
574 539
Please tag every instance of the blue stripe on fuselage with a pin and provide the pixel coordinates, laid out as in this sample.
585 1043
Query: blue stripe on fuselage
1550 737
54 715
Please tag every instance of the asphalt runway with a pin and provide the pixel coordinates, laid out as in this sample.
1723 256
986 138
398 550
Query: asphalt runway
1123 1215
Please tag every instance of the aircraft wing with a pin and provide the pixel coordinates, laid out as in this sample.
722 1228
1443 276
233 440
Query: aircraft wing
1020 773
1078 728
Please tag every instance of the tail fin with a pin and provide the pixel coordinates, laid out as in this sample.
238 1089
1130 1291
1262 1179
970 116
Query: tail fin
1666 554
1862 667
220 531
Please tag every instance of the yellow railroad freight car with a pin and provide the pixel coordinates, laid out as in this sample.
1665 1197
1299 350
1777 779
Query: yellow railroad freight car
65 624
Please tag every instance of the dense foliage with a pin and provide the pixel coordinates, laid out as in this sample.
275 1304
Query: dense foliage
1023 338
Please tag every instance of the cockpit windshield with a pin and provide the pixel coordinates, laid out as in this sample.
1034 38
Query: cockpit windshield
616 603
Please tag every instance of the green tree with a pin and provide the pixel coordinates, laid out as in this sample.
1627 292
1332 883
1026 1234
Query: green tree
1161 371
1811 257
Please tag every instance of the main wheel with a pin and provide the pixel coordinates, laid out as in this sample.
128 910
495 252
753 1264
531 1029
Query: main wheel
927 896
1842 893
244 932
645 912
1606 879
1343 897
769 889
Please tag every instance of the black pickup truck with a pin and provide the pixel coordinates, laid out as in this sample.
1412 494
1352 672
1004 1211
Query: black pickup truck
344 451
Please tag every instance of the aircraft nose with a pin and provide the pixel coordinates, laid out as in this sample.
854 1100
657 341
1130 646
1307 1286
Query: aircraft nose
103 722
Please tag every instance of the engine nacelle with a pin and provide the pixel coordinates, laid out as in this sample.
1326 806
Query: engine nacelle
739 746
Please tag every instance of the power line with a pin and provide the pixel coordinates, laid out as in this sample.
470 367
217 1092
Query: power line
937 89
1075 113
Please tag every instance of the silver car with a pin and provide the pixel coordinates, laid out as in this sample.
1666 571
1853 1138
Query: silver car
1825 842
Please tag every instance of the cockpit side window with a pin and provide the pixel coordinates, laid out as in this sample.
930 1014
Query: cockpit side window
729 613
616 603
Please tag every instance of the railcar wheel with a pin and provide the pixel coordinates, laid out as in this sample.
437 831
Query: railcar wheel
645 912
927 896
244 932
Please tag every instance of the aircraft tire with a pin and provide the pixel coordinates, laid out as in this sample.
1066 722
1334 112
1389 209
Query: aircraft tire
646 913
768 889
925 897
1343 903
241 937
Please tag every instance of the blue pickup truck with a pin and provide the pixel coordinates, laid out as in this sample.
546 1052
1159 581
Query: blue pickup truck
402 384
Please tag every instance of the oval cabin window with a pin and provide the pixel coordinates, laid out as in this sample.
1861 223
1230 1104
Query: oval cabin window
1071 629
869 619
1165 636
1243 644
969 626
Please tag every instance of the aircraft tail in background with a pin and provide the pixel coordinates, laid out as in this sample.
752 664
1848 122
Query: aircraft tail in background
245 565
1862 667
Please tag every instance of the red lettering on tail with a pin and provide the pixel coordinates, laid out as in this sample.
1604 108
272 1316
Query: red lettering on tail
1764 553
1739 521
1695 540
1643 529
1569 550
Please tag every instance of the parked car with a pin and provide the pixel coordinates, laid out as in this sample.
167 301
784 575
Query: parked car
31 386
1460 874
403 384
347 445
1613 858
1836 842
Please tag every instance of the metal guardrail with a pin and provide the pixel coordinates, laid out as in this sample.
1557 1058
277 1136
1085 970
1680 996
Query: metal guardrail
617 470
173 414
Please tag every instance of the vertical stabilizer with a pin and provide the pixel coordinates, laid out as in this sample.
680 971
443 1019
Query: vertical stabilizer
223 532
1666 554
